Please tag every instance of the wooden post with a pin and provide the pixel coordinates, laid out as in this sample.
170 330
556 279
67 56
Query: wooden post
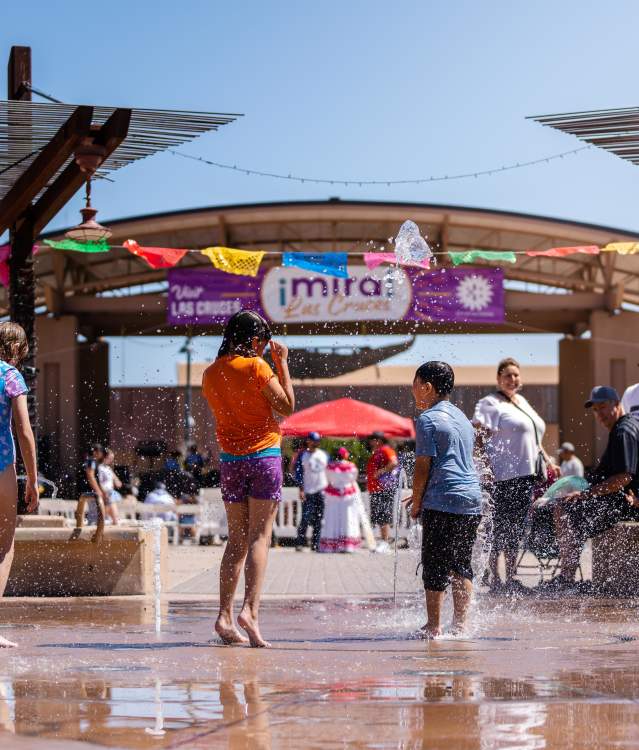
22 296
19 74
21 237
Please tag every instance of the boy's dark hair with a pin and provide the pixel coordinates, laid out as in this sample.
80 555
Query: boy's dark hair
439 374
240 331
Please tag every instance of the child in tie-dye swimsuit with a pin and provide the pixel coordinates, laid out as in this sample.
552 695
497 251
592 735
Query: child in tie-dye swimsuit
12 385
13 403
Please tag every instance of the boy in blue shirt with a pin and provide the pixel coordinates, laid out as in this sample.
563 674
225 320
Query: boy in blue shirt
446 494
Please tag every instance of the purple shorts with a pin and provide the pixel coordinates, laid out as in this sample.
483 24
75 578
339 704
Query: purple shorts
259 478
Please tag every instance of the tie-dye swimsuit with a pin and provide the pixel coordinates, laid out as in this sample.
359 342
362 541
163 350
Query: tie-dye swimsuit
11 385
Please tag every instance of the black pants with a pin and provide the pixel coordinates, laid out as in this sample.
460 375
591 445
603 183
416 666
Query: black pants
312 515
511 502
447 547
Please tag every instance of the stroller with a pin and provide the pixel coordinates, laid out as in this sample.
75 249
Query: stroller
539 532
540 540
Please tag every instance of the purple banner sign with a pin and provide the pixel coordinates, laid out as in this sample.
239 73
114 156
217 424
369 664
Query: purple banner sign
290 295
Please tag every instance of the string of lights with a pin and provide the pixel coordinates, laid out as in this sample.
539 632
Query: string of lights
387 182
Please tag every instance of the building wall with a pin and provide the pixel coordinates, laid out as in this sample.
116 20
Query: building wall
609 357
56 389
73 398
576 424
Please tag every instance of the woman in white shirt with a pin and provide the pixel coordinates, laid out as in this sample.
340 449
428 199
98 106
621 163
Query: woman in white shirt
511 432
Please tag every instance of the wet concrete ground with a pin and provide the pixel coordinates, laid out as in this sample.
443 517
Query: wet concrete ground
342 673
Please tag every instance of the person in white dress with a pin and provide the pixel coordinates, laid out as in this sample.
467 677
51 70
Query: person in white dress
341 529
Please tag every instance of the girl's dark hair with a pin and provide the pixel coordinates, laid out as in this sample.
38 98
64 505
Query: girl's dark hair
439 374
14 346
240 331
508 362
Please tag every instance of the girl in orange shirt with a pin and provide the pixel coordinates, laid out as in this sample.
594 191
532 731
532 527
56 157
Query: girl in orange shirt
243 392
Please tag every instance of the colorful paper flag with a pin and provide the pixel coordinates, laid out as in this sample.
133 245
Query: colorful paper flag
562 252
79 247
5 254
156 257
470 256
331 264
239 262
373 260
623 248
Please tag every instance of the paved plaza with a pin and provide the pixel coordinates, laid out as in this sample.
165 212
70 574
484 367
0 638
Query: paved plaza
291 574
193 571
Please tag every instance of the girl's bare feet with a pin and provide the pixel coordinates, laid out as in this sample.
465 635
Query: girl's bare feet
428 632
228 633
245 620
457 629
4 643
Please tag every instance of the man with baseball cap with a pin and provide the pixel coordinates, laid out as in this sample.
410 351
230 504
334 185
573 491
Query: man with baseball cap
613 490
570 465
314 462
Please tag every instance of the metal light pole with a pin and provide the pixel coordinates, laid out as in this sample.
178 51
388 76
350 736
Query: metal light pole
188 419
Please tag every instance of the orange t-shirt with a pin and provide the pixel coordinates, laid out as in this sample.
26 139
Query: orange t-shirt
232 386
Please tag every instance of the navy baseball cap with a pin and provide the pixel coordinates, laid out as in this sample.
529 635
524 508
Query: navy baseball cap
314 436
600 394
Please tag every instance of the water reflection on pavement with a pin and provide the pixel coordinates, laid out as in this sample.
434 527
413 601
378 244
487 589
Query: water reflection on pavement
341 674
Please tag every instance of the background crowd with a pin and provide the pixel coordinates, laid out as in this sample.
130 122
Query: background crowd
332 475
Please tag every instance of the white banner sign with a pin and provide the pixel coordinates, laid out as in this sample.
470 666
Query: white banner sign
291 295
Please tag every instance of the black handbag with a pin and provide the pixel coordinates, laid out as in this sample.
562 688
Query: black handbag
541 465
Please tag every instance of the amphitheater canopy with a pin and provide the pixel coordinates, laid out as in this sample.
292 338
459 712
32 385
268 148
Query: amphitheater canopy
117 293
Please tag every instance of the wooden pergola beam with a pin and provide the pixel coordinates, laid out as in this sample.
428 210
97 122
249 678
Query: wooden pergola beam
34 179
57 195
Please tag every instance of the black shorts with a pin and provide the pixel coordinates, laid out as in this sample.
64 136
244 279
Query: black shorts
382 507
447 547
511 502
594 515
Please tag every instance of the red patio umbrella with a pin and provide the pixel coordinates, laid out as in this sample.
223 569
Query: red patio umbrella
347 417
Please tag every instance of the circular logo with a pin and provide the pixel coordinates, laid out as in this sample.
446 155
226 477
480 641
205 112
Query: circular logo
474 293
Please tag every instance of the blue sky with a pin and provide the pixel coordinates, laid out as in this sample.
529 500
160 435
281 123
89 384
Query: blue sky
350 89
